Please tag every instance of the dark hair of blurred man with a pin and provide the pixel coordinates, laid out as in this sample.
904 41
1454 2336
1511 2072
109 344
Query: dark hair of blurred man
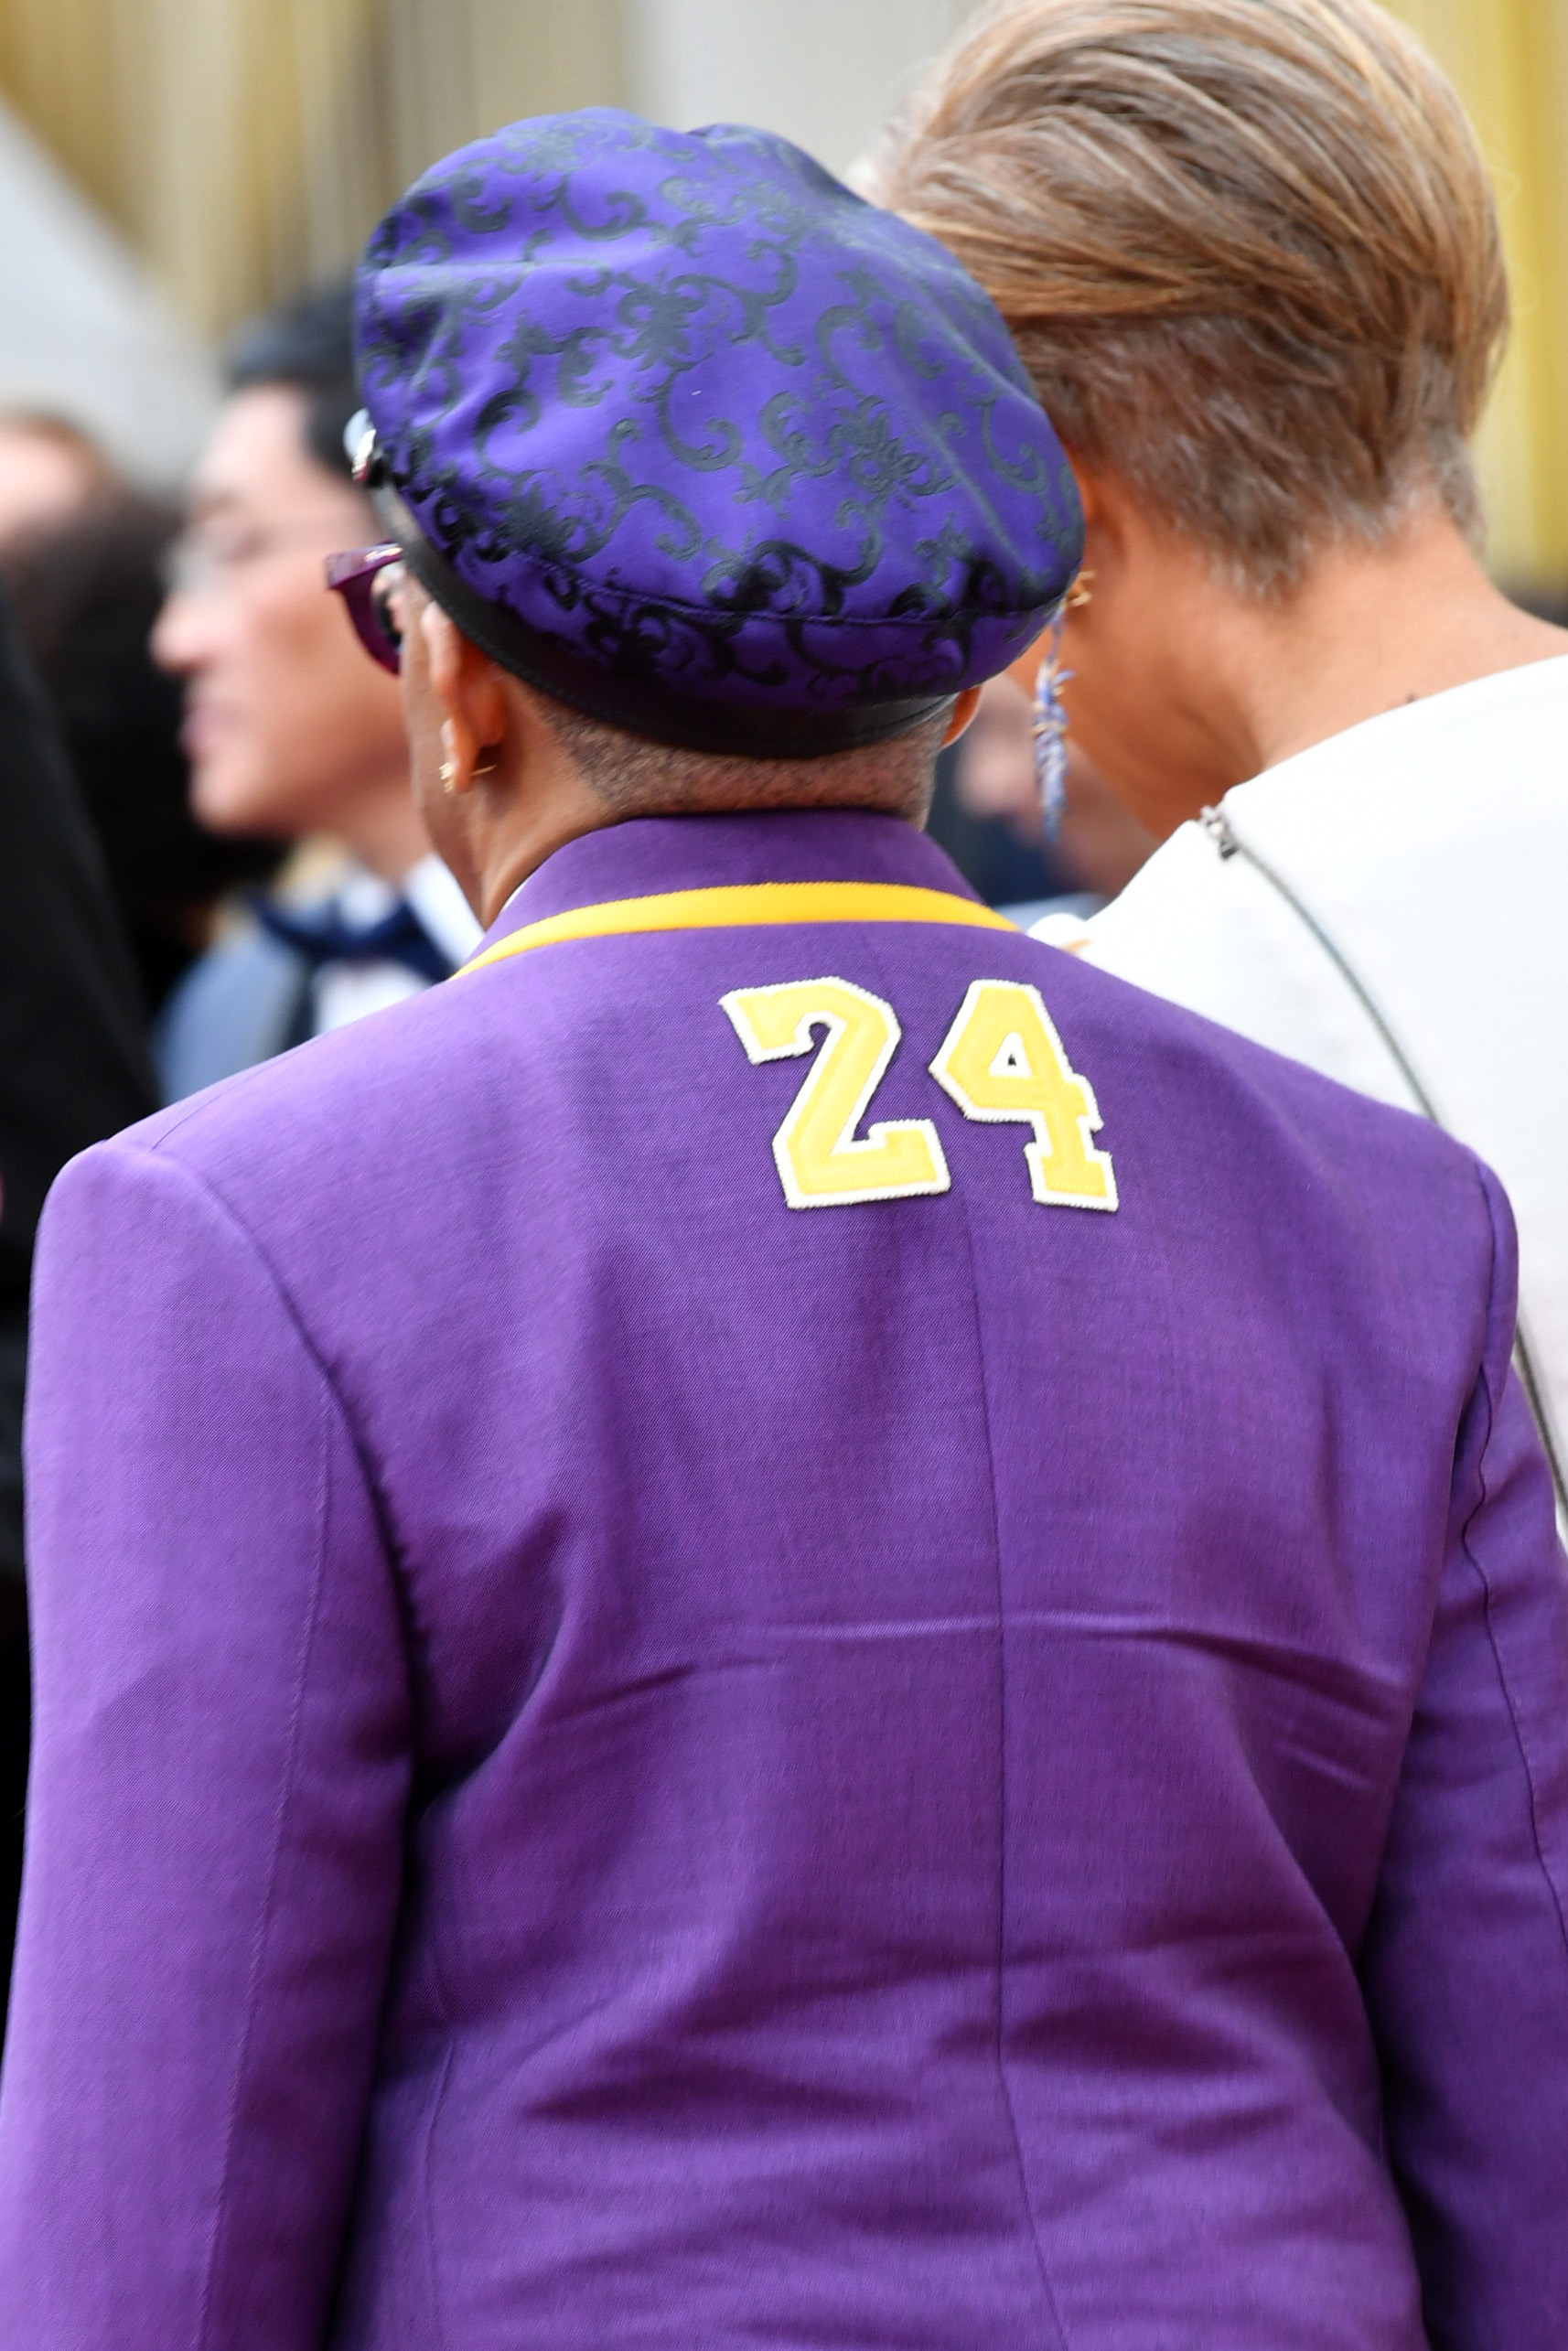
289 730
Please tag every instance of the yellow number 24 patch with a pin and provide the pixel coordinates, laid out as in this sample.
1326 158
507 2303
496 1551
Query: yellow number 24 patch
822 1162
1001 1061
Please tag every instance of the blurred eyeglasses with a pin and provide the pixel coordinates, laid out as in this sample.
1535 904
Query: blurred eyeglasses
366 579
205 559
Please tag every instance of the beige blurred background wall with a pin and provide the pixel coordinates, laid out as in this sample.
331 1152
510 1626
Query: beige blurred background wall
1510 61
243 147
246 146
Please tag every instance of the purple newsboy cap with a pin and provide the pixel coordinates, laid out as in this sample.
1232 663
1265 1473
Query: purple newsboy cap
682 432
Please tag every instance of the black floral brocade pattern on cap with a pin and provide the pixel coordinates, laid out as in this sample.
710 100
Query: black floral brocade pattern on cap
702 420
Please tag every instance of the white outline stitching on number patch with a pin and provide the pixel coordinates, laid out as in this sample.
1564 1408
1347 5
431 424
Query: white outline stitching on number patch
847 1145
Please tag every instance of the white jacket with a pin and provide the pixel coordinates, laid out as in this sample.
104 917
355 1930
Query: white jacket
1424 855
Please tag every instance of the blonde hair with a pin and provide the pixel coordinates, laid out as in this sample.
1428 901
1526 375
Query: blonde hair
1247 248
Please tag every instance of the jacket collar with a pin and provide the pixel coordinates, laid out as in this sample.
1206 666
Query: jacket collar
650 854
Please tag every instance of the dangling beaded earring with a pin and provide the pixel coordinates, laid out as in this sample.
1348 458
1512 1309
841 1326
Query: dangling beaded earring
1050 734
1050 715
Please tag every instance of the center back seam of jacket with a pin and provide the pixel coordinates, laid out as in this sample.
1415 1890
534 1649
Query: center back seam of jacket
1046 2282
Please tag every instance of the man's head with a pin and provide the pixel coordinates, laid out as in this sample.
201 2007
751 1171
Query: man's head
1247 248
288 729
504 774
730 486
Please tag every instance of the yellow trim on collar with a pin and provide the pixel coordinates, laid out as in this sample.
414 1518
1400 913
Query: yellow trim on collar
744 904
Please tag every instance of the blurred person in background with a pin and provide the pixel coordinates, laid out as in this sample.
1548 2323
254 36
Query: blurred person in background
1249 254
49 470
986 813
290 732
86 586
73 1068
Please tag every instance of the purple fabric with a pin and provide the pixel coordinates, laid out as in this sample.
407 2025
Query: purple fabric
622 1765
701 418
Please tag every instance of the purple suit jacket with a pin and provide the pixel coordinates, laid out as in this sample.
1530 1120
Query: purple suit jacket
625 1763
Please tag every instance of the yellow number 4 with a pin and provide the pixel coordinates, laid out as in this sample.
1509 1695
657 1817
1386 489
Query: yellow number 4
1003 1059
823 1163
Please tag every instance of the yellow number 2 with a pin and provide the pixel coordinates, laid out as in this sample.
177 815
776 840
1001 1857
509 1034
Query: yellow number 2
823 1163
1003 1059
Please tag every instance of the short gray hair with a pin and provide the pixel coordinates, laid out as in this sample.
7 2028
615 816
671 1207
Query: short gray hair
637 778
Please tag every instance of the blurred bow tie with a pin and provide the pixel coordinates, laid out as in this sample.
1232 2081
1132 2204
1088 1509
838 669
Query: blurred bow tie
321 935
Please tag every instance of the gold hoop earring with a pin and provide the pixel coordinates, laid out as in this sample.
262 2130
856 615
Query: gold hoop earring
448 770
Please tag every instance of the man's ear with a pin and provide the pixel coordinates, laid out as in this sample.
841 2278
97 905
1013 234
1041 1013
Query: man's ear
963 710
443 654
467 685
